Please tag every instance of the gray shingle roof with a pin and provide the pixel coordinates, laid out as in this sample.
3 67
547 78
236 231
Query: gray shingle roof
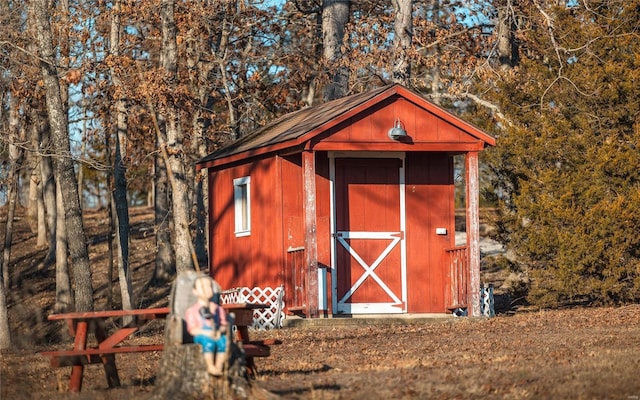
294 125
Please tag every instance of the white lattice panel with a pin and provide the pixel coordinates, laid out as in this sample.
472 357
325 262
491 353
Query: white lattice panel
232 296
487 304
263 319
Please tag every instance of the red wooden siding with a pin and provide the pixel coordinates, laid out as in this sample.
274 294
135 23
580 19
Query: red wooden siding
373 126
323 219
291 167
248 260
323 209
429 205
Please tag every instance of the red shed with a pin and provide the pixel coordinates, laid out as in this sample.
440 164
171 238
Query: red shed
351 215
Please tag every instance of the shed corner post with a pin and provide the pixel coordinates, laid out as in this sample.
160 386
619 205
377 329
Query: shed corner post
473 231
310 226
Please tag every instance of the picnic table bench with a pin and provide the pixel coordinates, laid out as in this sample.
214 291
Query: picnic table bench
243 314
81 324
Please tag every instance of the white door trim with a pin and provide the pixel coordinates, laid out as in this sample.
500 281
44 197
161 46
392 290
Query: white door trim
369 270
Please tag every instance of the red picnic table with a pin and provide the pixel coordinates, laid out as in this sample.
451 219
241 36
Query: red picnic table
82 323
243 319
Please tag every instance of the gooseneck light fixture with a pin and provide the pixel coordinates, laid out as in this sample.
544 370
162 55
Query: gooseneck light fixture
397 132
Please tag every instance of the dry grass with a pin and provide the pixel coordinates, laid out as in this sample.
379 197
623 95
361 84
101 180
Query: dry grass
566 354
562 354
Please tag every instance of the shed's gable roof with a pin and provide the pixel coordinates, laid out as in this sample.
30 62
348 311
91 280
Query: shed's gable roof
300 126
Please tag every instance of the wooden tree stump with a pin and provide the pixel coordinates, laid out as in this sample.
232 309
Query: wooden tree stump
183 375
183 372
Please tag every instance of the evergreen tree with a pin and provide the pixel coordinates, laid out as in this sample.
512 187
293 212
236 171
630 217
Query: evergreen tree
567 165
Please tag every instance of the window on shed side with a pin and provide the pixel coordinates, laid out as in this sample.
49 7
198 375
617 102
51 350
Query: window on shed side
242 203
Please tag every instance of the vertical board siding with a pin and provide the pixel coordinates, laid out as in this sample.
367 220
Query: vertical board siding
421 125
256 259
323 223
441 184
429 194
419 224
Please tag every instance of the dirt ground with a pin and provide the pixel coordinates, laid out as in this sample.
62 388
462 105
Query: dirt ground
580 353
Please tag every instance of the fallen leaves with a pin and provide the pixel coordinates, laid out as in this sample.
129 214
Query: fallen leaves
538 354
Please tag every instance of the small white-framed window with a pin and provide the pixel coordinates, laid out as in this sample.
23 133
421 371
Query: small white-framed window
242 205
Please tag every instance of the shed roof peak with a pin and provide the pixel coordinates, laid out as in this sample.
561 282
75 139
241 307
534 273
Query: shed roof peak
291 129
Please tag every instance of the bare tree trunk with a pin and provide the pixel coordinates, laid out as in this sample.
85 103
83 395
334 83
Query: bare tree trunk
435 54
36 214
12 194
65 173
64 48
36 201
309 93
42 215
48 190
122 231
199 125
64 294
402 37
16 136
36 127
83 149
180 201
32 205
110 206
5 332
164 269
201 194
507 47
335 15
309 87
226 84
177 178
119 174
